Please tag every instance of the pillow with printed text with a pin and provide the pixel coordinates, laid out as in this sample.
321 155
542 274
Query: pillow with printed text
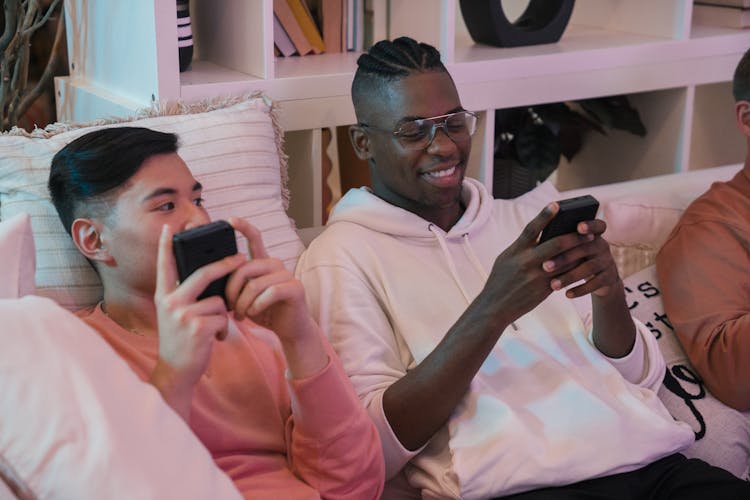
722 433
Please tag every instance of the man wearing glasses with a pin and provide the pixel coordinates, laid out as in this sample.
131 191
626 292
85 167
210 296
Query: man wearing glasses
482 376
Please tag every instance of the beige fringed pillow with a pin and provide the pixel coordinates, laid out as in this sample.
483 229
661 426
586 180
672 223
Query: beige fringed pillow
630 259
232 146
638 225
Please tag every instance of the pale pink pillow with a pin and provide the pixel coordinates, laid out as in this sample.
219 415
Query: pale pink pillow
17 259
76 422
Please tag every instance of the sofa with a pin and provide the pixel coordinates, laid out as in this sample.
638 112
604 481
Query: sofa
640 215
76 423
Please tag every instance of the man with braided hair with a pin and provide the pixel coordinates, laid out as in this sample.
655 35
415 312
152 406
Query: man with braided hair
482 376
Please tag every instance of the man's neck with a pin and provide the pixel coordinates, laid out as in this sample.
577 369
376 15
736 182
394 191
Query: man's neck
446 219
131 309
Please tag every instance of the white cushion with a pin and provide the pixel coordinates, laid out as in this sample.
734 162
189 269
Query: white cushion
16 257
234 151
636 222
723 433
76 422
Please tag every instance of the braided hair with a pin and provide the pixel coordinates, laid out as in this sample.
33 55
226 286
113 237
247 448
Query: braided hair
741 80
388 60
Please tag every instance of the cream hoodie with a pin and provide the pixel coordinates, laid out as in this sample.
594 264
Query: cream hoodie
546 408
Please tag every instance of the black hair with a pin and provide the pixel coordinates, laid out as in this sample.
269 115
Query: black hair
741 80
95 165
388 60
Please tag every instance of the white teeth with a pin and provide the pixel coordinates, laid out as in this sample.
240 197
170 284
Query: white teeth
442 173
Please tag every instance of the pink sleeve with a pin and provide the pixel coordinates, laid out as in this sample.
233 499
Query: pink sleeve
333 444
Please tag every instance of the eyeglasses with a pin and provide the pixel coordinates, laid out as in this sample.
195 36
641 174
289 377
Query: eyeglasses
418 134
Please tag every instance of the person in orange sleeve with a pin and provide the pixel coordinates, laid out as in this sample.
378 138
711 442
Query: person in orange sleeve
704 271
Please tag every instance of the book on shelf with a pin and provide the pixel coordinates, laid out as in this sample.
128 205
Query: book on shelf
281 39
344 24
726 3
349 24
307 23
355 25
372 27
291 26
719 15
332 22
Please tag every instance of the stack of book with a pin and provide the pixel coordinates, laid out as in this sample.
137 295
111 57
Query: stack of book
315 26
727 13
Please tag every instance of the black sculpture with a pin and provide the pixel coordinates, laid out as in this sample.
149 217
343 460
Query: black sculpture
543 21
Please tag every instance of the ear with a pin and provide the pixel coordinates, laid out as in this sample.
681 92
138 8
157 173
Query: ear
360 142
86 235
742 117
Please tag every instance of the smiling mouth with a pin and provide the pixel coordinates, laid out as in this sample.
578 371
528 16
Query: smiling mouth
441 173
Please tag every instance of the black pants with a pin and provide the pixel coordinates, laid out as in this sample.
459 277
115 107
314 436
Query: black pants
674 477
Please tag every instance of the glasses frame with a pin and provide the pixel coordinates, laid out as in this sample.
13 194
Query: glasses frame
440 121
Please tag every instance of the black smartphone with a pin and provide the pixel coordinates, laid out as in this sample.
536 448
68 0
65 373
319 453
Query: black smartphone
198 246
572 211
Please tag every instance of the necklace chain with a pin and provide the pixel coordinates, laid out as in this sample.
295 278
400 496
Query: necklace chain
135 331
131 330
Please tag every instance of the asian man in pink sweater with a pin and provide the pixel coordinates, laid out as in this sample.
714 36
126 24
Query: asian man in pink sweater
260 387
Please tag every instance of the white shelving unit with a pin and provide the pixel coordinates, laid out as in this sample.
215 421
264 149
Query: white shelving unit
123 55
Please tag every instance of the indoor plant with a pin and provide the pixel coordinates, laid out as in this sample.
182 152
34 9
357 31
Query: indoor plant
529 140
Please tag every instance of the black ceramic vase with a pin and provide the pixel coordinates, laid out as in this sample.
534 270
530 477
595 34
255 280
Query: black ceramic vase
543 21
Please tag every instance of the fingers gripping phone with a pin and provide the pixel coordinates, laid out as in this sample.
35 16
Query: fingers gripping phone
199 246
572 211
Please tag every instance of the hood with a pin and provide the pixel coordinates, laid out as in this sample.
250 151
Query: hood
361 206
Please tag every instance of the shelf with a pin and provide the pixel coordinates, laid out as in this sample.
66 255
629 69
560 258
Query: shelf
590 62
620 156
702 31
342 63
676 73
576 40
587 62
207 73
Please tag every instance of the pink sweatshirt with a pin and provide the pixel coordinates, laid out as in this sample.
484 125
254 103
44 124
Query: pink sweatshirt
275 438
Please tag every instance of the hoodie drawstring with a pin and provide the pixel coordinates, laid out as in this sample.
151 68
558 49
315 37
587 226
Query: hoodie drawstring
469 251
441 241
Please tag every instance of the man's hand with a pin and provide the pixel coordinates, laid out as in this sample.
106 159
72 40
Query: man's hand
263 290
187 327
518 281
590 261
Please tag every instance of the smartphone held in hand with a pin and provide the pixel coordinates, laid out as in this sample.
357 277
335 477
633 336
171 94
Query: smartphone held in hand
572 212
199 246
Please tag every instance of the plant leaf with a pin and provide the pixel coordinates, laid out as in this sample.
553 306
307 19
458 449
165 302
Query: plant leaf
615 112
510 119
571 140
537 148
